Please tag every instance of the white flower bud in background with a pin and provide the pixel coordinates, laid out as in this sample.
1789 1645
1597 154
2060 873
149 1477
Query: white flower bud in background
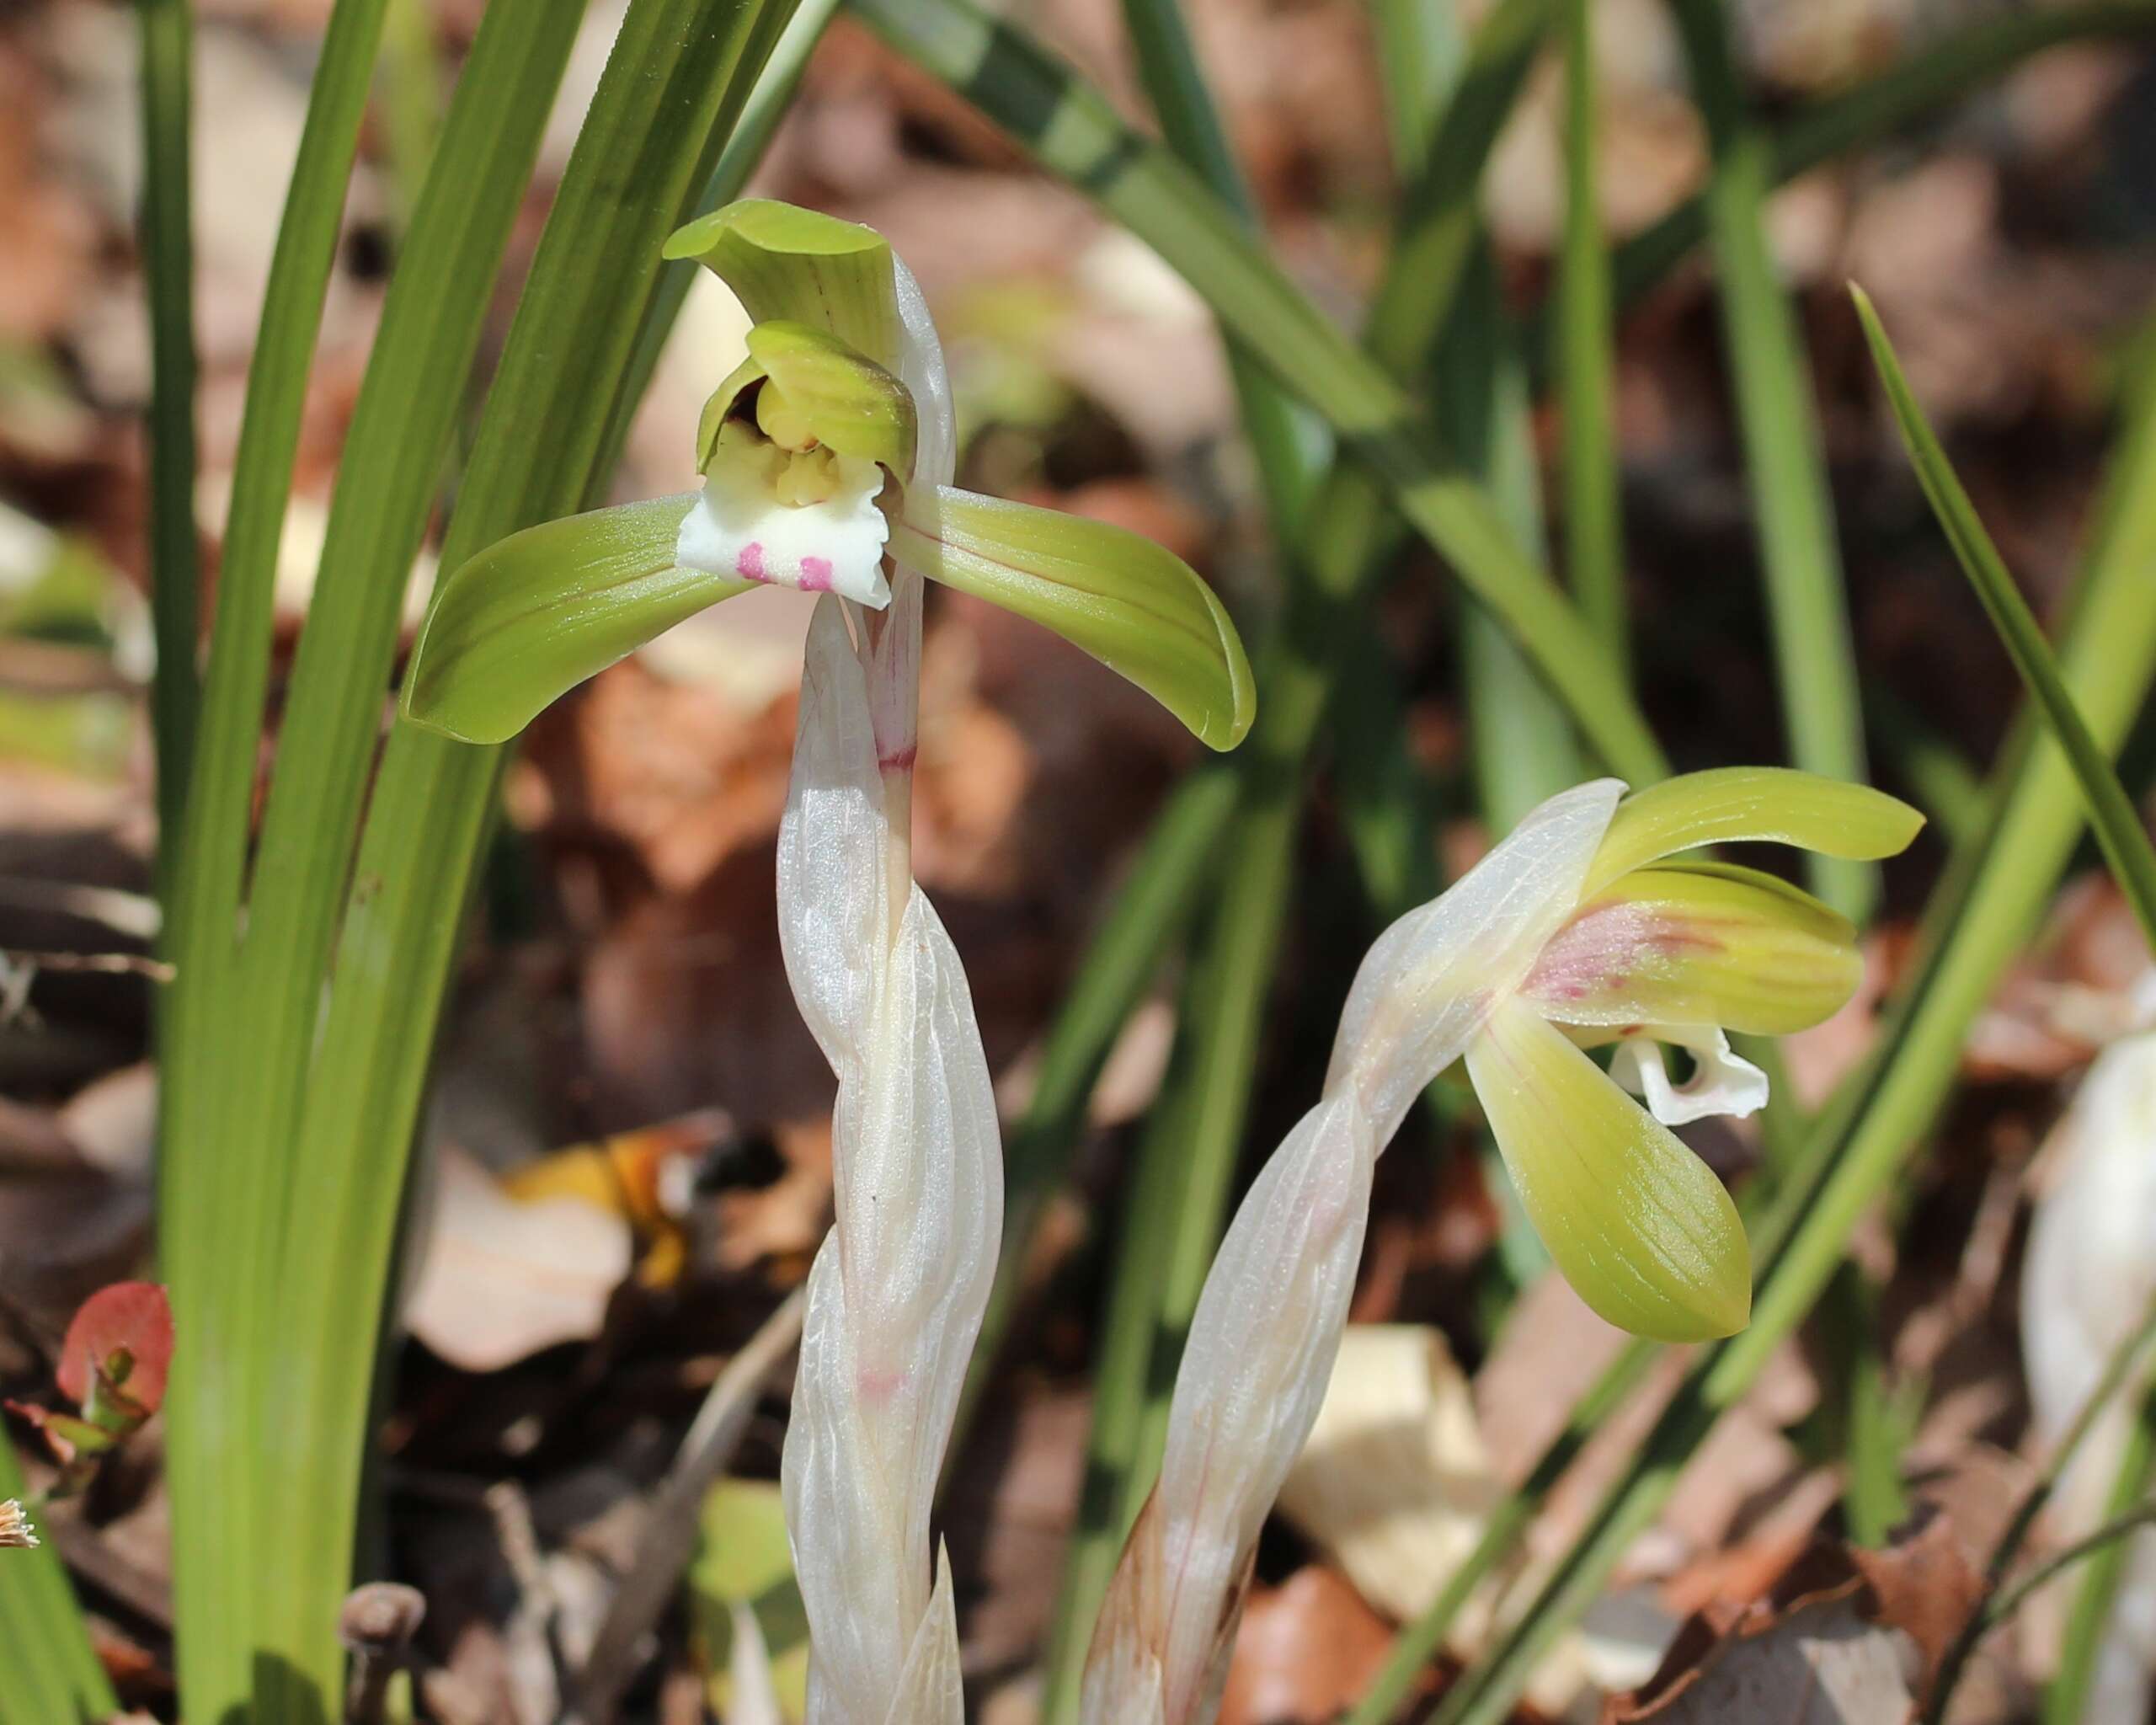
2088 1278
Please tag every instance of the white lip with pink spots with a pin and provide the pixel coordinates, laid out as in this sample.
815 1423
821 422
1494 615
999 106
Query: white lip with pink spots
738 528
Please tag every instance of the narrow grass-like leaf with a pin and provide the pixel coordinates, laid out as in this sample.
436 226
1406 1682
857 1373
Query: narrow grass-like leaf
1140 933
680 71
53 1676
1978 919
1522 741
209 1260
514 628
168 273
2111 815
1075 133
242 1039
1594 547
1814 657
745 145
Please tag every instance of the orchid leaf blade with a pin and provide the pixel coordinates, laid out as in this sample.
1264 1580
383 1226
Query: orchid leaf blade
1739 805
1642 1228
2111 815
527 619
1133 605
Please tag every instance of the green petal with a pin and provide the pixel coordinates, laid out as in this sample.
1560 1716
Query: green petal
849 402
1734 803
534 614
1700 943
782 261
1641 1229
1139 609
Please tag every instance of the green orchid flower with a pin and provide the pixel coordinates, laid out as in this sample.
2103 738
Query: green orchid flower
826 457
1588 926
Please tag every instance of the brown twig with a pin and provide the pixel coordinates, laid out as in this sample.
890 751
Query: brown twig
376 1626
670 1532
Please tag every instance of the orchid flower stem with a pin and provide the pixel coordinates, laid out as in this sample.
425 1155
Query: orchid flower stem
1813 650
1993 891
2063 1702
168 266
2117 1365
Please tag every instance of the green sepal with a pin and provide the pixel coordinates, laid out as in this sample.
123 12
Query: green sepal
1134 605
1700 943
534 614
782 261
1642 1230
848 401
1732 804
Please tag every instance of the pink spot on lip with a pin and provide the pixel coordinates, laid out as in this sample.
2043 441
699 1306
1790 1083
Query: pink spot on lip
815 574
749 562
899 760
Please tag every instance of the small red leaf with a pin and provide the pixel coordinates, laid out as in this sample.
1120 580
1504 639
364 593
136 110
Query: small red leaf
126 1332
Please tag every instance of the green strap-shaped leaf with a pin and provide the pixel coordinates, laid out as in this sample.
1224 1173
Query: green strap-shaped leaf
1641 1227
1700 943
537 613
1138 608
1732 804
782 261
2111 814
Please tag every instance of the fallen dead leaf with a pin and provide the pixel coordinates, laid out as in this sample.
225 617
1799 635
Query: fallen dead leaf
1393 1483
1307 1649
501 1279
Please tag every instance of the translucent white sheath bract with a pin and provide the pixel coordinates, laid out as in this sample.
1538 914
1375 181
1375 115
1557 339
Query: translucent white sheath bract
897 1291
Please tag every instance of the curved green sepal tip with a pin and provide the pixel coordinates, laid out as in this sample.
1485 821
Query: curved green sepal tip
1137 607
838 395
1733 804
527 619
1646 1234
782 261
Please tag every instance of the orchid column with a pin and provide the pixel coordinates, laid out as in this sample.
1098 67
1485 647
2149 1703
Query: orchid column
827 456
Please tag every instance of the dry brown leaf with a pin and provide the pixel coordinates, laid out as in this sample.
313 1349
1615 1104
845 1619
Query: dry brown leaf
1845 1638
1393 1483
1308 1649
501 1279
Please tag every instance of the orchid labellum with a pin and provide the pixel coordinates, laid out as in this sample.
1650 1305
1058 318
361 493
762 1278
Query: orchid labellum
1585 925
